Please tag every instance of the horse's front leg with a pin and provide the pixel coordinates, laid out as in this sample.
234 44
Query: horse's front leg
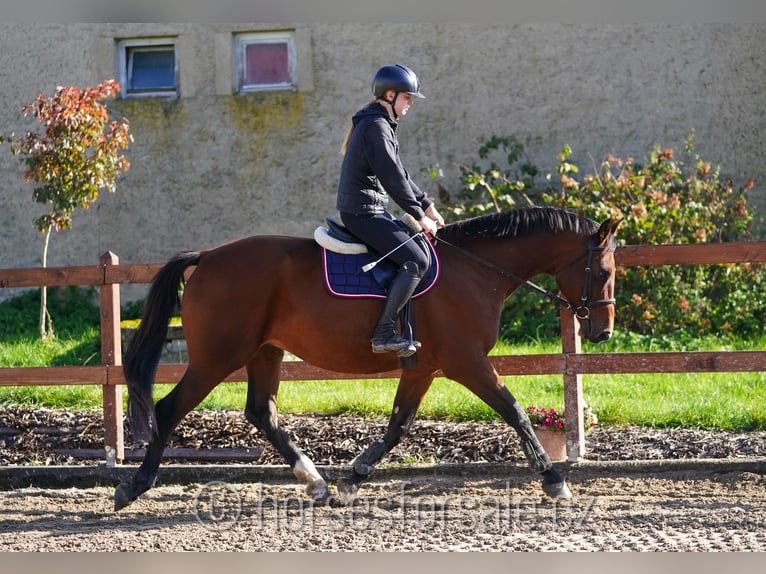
412 388
488 386
261 410
554 484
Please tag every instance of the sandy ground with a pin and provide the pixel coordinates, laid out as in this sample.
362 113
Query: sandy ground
681 510
692 490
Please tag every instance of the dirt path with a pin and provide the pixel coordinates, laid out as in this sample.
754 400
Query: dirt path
669 511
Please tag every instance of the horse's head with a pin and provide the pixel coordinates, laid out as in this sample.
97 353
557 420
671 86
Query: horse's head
589 287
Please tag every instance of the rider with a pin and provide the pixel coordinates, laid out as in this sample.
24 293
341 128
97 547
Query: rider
371 173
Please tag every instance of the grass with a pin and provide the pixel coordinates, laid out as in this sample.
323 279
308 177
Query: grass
732 401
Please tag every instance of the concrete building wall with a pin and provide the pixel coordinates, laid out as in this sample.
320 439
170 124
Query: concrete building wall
211 166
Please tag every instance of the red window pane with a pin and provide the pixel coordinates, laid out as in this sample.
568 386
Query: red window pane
266 64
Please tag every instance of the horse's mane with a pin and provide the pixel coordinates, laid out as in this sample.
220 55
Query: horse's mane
519 222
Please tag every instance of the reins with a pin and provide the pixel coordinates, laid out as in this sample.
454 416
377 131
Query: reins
582 311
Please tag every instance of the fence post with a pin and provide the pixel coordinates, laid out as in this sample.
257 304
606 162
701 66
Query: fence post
111 355
573 399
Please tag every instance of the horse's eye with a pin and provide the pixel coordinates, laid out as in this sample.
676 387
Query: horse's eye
603 274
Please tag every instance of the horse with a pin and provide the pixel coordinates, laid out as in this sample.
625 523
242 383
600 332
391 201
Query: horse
250 300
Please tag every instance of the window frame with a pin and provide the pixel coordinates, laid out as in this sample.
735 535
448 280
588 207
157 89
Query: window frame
245 39
124 47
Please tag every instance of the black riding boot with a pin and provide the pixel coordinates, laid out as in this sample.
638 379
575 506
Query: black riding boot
385 338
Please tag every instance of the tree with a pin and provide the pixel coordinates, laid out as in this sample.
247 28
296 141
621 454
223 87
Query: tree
73 160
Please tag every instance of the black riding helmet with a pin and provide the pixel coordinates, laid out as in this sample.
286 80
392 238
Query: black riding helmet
397 77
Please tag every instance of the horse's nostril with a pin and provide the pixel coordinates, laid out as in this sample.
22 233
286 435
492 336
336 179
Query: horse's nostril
604 336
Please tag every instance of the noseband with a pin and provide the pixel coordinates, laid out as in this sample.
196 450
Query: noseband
581 311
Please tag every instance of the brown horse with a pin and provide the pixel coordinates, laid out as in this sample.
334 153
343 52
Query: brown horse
250 300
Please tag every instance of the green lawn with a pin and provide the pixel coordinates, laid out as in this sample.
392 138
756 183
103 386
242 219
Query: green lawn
732 401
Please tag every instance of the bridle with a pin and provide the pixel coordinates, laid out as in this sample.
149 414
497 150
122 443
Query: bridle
581 311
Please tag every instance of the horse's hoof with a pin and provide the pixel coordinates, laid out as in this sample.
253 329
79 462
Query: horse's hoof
121 498
558 490
127 492
347 490
317 491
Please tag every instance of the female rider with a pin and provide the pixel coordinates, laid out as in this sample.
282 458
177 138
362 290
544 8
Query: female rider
371 174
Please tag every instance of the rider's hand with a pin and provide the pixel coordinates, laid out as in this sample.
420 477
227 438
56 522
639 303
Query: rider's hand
428 225
435 215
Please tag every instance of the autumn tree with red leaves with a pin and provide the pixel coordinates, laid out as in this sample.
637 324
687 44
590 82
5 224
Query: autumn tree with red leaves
75 158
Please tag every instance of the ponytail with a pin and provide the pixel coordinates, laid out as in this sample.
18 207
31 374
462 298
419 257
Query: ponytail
347 138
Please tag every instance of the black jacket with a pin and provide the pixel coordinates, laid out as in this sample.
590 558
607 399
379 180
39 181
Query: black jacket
372 170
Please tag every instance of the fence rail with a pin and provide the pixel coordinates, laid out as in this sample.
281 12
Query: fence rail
571 363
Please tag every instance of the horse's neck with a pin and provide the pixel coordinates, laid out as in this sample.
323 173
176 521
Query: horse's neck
531 255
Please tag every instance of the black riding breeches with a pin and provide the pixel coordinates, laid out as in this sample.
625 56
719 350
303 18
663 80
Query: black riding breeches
383 235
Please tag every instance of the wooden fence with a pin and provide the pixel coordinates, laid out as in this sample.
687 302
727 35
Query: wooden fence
571 363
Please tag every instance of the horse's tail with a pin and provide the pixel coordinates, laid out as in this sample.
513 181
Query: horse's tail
143 353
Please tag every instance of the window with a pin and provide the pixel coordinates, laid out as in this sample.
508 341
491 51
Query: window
148 67
265 62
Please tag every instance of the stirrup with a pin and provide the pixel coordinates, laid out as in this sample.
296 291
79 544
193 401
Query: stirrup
410 350
395 343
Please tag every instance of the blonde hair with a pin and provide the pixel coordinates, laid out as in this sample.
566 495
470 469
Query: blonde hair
347 137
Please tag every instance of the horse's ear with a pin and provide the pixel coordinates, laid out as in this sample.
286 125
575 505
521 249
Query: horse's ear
607 229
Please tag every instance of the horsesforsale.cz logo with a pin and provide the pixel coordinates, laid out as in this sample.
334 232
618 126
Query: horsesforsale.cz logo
219 506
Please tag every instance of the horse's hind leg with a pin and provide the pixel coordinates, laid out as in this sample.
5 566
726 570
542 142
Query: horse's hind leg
412 388
261 410
187 394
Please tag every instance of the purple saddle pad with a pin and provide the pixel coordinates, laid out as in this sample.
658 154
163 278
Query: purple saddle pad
344 276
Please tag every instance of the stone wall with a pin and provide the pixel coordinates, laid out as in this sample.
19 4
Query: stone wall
211 166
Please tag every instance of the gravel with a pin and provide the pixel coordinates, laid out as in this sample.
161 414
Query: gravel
60 437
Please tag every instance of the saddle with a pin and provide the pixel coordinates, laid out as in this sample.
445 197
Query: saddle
345 258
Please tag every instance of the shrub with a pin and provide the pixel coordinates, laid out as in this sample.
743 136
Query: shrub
75 309
489 187
502 179
670 198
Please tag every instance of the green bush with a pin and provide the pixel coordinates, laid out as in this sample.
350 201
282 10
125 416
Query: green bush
133 310
670 198
72 309
489 187
502 179
76 317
